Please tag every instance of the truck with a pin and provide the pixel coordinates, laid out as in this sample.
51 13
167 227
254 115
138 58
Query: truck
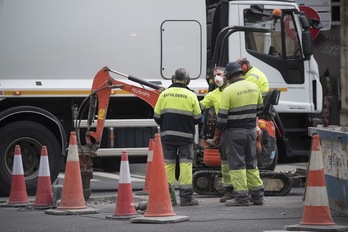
50 52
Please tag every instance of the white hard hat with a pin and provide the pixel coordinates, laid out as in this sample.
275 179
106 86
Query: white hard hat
219 80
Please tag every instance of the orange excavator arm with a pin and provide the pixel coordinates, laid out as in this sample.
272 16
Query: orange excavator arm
102 86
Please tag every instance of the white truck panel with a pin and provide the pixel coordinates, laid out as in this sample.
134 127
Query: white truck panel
72 39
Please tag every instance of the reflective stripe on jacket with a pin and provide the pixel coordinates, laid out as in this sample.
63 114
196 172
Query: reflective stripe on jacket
176 112
240 103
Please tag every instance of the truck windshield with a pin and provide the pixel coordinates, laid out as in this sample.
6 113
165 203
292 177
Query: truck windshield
282 45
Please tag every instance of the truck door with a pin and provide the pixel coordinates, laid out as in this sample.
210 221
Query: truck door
280 56
284 57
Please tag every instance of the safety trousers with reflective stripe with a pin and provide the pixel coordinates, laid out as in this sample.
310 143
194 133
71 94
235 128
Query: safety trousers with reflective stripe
185 178
244 180
225 171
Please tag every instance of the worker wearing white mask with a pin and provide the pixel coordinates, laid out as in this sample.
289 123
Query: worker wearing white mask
213 99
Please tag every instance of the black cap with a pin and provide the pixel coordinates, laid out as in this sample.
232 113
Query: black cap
233 68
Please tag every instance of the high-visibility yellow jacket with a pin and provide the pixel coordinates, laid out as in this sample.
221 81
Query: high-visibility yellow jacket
177 112
256 76
241 101
212 99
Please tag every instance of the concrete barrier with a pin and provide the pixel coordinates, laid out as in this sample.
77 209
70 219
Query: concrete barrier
334 146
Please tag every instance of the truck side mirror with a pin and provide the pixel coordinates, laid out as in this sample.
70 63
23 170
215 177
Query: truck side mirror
306 37
307 44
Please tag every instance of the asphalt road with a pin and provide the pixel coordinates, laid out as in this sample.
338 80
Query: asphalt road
210 215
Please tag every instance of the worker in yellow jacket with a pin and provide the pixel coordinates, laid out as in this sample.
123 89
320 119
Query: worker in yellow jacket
240 103
177 112
255 75
213 99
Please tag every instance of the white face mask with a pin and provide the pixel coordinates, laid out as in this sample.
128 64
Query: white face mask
219 80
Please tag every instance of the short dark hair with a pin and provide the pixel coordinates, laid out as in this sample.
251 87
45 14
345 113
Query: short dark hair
181 74
219 68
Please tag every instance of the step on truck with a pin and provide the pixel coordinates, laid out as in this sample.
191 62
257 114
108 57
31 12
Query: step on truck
50 52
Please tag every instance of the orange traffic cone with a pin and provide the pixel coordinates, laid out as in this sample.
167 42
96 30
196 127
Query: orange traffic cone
316 209
316 213
146 188
72 194
44 196
18 194
159 208
159 203
125 207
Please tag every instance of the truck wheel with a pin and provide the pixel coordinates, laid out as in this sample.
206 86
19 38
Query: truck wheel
30 136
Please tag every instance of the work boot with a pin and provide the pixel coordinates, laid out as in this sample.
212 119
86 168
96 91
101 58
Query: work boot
240 199
257 196
258 202
233 202
228 195
186 198
191 202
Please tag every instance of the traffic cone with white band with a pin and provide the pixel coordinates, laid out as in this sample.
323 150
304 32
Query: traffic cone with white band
159 208
159 204
72 194
316 209
44 195
146 188
316 213
18 194
125 207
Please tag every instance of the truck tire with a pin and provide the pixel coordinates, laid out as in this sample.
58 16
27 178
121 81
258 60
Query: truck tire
30 136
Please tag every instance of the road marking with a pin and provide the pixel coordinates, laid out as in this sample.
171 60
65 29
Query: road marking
134 178
117 176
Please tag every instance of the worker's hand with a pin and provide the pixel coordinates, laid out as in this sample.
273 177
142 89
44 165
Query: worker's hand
217 136
258 132
216 141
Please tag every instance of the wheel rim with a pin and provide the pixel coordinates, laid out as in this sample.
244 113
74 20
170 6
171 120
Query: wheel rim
203 182
30 151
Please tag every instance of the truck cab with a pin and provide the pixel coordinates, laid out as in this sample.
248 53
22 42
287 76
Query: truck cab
284 54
